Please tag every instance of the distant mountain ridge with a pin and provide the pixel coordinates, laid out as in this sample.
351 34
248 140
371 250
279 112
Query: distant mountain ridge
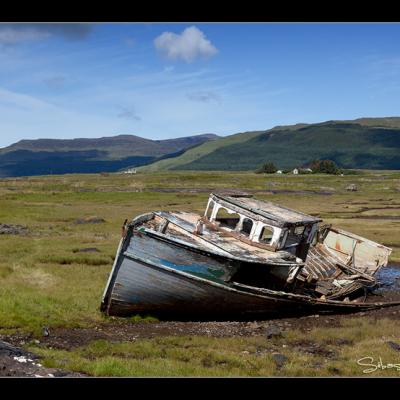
120 145
370 143
59 156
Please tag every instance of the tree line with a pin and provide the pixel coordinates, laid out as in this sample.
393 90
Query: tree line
314 167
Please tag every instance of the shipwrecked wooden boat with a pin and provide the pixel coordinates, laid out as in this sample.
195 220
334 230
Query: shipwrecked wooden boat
242 257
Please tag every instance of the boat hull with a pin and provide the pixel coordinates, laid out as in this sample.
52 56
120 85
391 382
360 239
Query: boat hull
142 288
147 289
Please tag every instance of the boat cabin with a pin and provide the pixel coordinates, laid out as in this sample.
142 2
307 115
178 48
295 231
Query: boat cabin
261 223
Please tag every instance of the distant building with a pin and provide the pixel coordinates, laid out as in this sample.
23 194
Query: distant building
279 171
295 171
130 171
308 170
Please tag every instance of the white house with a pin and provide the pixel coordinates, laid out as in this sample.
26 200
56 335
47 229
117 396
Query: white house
295 171
279 172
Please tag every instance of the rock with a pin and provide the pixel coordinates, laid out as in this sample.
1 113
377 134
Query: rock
60 373
273 331
394 346
254 325
279 359
351 188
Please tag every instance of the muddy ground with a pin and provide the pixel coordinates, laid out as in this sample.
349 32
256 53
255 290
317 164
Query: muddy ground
14 361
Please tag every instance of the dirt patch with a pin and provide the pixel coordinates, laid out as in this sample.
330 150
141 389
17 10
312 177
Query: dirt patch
120 329
310 347
377 217
90 220
15 361
86 250
9 229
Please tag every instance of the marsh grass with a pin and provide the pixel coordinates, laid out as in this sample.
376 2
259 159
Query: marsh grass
237 356
44 282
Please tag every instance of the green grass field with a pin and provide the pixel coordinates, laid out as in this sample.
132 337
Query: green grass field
45 280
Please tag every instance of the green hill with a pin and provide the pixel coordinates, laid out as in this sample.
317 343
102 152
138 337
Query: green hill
371 143
55 156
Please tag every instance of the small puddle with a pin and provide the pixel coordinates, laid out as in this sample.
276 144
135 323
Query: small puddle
389 278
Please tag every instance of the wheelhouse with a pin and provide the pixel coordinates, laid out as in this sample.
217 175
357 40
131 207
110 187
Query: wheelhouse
262 224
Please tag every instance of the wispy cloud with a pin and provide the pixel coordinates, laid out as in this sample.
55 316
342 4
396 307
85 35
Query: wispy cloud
204 96
27 117
55 82
128 113
22 101
188 46
11 34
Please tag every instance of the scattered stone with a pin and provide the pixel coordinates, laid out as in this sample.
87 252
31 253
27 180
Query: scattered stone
273 331
279 359
90 220
394 346
352 188
8 229
10 350
59 374
254 325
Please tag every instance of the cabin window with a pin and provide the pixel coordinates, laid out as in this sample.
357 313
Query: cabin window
266 235
210 210
294 236
247 226
227 219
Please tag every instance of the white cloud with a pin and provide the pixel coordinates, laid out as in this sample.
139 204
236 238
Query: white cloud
188 45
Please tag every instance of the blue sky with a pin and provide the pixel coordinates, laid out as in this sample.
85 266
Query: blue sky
169 80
